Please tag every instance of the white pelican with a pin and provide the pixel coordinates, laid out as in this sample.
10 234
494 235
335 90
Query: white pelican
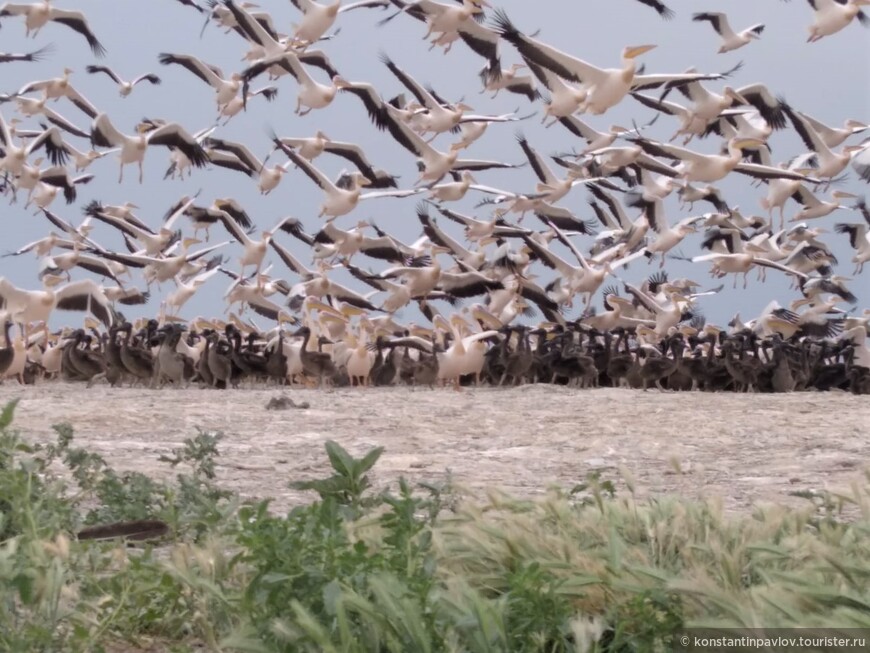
153 243
605 87
54 89
185 291
225 89
26 306
859 239
318 18
741 263
254 250
668 237
235 106
312 94
814 208
28 106
340 198
510 81
833 136
824 162
713 167
124 87
731 40
831 16
434 115
161 269
171 135
312 147
451 21
240 158
38 14
14 157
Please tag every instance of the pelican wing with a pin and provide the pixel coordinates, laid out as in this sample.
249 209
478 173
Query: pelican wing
562 64
211 75
76 20
85 295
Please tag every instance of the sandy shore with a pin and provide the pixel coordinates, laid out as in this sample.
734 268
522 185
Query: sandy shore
743 448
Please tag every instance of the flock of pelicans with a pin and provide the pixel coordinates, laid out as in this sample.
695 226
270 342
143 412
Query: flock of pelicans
324 333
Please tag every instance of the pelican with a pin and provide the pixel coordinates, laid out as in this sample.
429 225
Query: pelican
54 89
225 89
742 263
340 199
254 250
312 147
824 161
38 14
317 19
124 87
833 136
312 95
240 158
26 306
605 87
235 106
14 157
132 148
814 208
831 16
859 238
710 168
731 40
509 81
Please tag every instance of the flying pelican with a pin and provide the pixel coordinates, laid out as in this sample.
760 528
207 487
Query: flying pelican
225 89
124 88
312 147
509 81
14 157
451 21
710 168
318 18
831 16
731 40
38 14
240 158
171 135
605 88
26 306
824 162
54 89
340 199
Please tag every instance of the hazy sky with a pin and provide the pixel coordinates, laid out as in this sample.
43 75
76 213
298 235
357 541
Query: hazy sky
829 80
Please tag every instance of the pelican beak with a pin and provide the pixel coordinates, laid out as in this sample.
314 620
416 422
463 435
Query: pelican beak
841 194
350 311
638 50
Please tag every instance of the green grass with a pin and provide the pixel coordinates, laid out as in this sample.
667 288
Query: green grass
422 568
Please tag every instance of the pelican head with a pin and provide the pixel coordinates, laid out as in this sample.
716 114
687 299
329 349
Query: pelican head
67 72
320 135
340 82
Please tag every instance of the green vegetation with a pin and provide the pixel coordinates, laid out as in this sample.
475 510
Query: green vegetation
409 569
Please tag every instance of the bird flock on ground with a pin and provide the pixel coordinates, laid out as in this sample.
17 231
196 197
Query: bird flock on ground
479 280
